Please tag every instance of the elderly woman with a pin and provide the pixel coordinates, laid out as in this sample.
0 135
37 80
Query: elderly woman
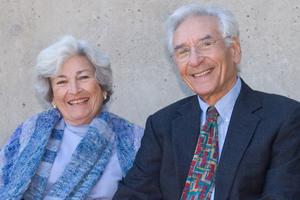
77 150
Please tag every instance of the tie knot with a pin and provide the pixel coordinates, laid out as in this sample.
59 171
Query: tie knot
212 113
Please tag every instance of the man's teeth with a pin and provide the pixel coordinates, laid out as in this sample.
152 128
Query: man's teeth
203 73
78 101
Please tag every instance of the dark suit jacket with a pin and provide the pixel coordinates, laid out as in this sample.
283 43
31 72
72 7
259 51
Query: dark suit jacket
260 157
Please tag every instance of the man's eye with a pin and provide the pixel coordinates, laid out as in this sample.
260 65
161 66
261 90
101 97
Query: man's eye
207 43
182 51
204 45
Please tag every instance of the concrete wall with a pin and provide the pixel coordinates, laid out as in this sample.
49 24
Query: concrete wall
131 33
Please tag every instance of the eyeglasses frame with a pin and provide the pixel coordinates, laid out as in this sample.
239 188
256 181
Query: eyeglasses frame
189 48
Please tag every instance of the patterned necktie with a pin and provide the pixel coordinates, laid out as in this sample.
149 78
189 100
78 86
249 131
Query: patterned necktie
202 173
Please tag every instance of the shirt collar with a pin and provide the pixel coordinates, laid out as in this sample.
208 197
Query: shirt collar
225 105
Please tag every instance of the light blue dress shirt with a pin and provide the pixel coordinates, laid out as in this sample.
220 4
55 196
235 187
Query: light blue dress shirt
224 107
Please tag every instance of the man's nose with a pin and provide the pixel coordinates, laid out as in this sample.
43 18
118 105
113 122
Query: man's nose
195 58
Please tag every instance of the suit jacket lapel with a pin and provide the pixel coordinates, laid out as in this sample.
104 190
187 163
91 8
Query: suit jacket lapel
185 132
240 131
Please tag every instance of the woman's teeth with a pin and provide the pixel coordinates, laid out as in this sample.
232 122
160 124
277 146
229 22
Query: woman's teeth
78 101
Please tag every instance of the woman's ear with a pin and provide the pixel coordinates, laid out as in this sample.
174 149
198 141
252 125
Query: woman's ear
236 50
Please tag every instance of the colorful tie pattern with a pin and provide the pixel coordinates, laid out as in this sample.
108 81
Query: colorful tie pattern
202 173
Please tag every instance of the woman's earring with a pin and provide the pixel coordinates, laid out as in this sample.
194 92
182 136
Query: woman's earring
54 106
104 98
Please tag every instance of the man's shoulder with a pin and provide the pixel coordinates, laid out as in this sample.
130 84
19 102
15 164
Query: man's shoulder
267 104
266 100
275 98
173 108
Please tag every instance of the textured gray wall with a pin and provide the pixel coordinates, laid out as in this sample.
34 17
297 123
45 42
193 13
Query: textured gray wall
131 33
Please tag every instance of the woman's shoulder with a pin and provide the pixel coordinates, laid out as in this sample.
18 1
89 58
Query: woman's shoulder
120 124
44 115
128 136
126 132
27 127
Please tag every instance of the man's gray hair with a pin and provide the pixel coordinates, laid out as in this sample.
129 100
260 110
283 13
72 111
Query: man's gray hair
228 24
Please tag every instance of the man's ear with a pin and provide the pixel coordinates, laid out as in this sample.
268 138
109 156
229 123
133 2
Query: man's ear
236 50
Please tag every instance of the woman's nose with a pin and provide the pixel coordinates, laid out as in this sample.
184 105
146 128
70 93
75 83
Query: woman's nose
74 87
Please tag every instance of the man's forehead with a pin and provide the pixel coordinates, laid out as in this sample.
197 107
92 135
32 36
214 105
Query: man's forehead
197 28
204 22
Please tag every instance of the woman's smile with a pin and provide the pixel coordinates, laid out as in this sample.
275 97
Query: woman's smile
79 101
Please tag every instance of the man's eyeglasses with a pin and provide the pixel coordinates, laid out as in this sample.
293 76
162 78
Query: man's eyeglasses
204 46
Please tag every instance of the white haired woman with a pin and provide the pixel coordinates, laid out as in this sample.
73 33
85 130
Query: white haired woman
77 150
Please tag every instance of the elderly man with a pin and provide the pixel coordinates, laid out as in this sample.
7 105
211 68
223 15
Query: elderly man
226 142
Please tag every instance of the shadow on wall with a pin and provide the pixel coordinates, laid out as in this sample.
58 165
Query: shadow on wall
184 88
44 104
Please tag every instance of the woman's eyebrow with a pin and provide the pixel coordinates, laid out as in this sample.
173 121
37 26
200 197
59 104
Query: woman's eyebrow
79 72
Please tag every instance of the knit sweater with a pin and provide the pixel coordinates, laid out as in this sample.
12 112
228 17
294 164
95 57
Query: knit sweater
26 159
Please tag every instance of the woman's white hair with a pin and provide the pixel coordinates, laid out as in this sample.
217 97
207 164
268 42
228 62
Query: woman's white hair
51 59
228 24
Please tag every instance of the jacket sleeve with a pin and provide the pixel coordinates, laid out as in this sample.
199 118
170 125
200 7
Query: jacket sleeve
142 180
283 175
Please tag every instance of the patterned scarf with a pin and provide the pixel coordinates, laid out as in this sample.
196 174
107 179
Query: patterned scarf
27 158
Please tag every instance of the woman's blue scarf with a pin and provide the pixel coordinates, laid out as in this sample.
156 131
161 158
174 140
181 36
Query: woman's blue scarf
27 158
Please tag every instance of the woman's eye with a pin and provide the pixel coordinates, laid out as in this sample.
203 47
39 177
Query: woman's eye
61 82
84 77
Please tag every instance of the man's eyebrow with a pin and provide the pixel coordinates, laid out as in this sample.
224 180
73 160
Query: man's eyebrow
206 37
178 46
